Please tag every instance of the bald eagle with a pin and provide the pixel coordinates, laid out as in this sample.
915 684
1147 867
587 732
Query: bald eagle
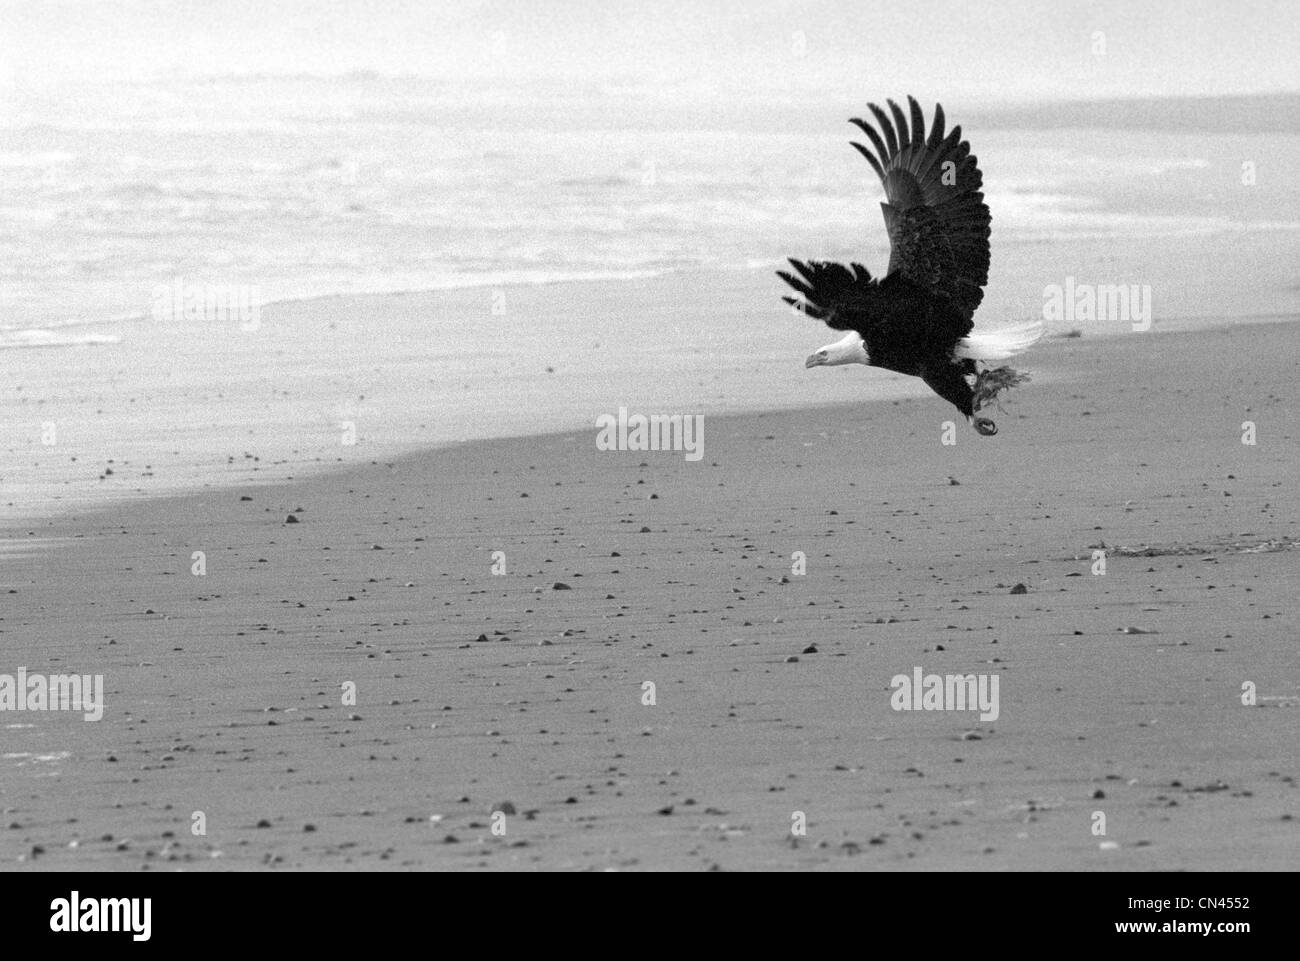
918 319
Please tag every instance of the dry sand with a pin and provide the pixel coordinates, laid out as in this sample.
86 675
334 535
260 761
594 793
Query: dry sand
223 691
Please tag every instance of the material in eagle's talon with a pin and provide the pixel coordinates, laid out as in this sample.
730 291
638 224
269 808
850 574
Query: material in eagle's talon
985 426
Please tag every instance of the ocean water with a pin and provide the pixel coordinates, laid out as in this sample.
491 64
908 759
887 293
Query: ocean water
262 193
294 187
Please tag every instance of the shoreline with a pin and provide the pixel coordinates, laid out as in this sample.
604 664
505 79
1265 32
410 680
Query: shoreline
565 431
274 404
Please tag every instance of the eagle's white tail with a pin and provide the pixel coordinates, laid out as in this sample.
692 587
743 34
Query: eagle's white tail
1000 344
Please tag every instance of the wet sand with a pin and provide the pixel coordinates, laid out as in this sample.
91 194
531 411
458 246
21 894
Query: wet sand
479 692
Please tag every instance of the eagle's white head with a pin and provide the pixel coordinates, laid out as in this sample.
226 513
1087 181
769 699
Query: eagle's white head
849 350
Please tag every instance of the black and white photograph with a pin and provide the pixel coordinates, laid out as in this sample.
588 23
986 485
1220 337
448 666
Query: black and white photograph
520 436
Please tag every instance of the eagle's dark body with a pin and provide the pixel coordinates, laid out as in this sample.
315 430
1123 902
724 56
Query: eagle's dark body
913 320
904 327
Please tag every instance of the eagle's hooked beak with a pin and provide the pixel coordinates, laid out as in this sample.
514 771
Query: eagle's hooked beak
815 360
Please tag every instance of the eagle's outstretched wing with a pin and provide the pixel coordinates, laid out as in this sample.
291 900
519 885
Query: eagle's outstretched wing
934 211
845 298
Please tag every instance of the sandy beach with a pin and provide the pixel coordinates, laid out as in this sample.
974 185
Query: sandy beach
499 606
